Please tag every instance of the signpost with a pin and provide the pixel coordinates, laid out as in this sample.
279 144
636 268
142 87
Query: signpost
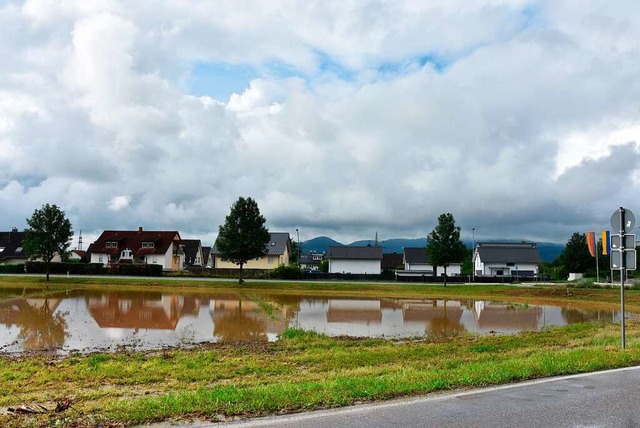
623 253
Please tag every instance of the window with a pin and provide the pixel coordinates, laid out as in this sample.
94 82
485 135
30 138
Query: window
18 249
271 260
99 259
147 245
111 244
510 264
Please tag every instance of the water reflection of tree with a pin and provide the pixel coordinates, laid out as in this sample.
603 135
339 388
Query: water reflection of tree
41 327
574 316
446 320
236 325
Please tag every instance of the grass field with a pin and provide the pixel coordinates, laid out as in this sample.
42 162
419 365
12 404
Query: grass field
302 370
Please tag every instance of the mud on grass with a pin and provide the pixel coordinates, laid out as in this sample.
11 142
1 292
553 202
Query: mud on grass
301 371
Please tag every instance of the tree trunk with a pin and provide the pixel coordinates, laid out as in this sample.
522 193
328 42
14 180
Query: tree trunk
240 280
47 270
445 276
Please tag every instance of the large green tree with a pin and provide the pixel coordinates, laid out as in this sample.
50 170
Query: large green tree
575 257
444 245
49 234
243 236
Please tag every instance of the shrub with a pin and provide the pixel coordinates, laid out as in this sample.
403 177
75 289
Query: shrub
286 272
63 268
19 268
136 270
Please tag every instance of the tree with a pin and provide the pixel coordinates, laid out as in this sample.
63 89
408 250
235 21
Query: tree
295 253
575 257
444 245
49 234
243 236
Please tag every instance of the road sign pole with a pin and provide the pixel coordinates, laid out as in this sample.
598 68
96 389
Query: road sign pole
623 271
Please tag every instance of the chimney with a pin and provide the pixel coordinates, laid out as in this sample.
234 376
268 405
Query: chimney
140 229
15 229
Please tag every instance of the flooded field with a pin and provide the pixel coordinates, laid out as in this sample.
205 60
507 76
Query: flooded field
92 320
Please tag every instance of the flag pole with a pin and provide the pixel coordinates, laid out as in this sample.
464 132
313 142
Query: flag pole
597 266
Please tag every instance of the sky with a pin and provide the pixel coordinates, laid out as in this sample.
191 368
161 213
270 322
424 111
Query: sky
344 119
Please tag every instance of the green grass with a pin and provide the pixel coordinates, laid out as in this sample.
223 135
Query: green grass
300 371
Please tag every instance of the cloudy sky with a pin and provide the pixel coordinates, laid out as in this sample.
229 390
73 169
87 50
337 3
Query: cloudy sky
521 118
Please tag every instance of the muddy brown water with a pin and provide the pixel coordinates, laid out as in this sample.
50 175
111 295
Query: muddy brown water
91 320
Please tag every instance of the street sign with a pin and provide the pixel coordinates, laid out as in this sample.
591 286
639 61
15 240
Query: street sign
629 257
629 221
629 241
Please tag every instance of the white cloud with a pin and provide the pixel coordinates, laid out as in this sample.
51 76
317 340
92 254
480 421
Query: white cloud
364 117
119 202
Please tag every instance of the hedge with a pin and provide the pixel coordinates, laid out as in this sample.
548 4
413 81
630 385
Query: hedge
19 268
63 268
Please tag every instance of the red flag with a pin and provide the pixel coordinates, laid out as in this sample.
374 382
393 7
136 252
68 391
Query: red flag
591 242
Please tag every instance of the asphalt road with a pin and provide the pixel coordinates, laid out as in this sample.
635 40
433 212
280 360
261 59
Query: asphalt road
604 399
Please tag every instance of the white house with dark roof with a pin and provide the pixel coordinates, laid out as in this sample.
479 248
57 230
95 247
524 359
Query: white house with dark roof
506 259
356 260
416 262
277 253
140 246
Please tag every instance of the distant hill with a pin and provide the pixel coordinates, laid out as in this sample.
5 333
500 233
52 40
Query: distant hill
548 251
395 245
318 244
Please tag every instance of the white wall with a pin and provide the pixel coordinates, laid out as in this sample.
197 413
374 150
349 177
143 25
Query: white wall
489 268
417 266
452 269
95 258
355 266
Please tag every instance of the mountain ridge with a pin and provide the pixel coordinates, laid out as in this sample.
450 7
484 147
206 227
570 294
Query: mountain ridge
319 244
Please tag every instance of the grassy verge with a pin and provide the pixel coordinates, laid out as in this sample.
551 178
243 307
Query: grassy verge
300 371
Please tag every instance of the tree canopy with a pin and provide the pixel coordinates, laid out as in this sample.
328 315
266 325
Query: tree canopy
444 245
575 257
49 234
243 236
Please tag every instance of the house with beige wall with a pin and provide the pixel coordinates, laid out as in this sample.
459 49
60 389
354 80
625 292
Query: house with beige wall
277 253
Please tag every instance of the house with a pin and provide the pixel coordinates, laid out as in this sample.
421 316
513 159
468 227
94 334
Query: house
506 259
11 251
78 255
415 262
139 247
392 261
311 262
207 260
192 252
277 253
356 260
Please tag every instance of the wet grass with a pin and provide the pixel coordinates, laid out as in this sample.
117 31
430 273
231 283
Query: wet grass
301 371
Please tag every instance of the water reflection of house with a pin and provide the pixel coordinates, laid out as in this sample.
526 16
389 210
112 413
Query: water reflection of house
160 312
440 316
507 316
235 319
13 312
354 311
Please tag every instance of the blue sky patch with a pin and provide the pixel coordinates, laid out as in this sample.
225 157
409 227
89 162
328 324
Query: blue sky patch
220 80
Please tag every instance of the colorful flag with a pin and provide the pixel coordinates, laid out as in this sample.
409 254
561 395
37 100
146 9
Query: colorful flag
591 242
606 242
